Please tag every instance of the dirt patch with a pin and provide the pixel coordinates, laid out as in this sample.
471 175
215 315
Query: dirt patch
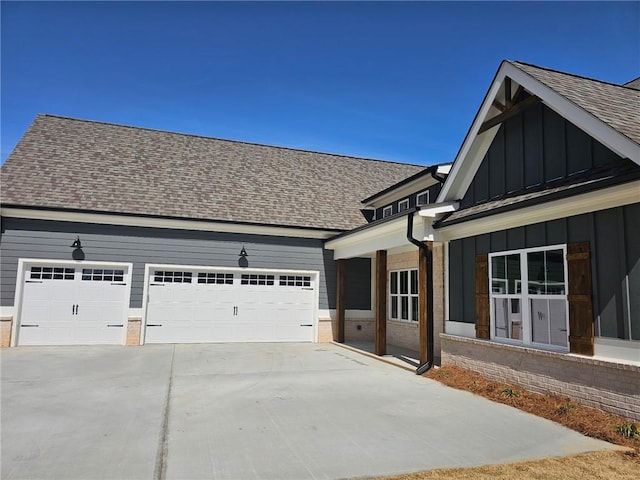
588 421
617 465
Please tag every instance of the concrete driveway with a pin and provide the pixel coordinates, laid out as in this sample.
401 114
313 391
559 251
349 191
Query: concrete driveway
247 411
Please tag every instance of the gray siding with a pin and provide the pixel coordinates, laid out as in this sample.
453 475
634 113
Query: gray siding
51 240
614 235
532 148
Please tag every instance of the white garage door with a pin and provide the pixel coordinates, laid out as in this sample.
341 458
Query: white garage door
73 305
195 306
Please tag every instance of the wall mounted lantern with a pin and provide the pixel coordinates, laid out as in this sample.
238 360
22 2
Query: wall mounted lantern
77 244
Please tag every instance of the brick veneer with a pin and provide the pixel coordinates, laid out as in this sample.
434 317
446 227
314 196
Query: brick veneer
609 386
5 331
134 328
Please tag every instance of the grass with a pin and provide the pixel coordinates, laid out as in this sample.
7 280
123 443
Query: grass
609 465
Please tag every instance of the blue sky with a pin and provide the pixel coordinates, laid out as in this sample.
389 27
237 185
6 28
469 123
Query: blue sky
395 81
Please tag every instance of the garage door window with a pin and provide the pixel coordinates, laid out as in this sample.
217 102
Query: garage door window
215 278
172 277
257 279
294 281
52 273
102 275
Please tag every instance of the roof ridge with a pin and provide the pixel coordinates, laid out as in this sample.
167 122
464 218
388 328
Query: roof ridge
99 122
516 62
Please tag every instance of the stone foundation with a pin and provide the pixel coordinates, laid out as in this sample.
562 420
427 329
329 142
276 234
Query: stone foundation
609 386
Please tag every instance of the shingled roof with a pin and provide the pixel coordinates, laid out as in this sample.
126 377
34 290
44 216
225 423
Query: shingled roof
65 163
616 105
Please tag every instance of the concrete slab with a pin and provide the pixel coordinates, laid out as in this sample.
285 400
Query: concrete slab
245 411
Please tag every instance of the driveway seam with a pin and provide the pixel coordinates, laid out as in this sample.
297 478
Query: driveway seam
160 470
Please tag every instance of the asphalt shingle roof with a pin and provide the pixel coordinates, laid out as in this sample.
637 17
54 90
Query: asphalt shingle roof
78 164
616 105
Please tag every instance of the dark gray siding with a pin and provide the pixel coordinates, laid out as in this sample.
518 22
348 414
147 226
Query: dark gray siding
614 235
51 240
357 295
532 148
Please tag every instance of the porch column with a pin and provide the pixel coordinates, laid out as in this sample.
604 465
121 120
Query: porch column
381 302
338 333
425 296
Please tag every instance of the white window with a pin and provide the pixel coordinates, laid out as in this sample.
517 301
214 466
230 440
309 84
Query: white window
529 296
403 295
403 205
387 211
422 198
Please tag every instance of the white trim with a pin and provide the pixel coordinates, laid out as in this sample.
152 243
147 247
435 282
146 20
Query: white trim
616 196
178 224
401 203
388 208
615 349
388 235
524 296
422 204
438 208
206 268
474 146
460 329
8 311
20 279
403 191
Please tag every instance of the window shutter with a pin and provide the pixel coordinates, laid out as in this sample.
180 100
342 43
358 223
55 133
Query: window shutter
581 330
482 296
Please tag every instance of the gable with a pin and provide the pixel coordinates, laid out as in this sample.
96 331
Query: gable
608 113
531 149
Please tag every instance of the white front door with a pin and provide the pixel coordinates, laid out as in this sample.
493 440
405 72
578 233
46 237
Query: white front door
73 304
213 305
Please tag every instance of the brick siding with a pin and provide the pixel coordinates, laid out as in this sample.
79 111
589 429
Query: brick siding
609 386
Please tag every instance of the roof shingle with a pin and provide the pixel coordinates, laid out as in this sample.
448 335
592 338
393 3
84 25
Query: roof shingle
616 105
78 164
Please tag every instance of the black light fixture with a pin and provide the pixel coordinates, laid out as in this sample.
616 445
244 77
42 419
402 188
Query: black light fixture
243 253
77 244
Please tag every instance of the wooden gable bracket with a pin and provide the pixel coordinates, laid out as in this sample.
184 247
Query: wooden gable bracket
509 112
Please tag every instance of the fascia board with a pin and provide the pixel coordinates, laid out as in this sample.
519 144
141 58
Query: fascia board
617 196
473 146
177 224
438 208
383 237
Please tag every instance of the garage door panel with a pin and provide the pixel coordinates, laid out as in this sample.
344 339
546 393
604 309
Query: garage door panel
68 305
220 306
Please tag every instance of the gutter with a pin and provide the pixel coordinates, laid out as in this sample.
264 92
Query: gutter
429 363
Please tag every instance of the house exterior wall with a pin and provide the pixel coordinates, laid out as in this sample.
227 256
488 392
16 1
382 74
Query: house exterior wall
23 238
614 236
531 148
609 386
433 190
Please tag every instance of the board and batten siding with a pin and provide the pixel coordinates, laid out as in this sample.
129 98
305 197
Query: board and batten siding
614 239
23 238
534 147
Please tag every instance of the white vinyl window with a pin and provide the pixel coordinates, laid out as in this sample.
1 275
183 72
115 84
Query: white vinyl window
529 296
403 295
387 211
403 205
422 198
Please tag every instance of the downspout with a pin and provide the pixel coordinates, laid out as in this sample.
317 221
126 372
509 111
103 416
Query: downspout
429 363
